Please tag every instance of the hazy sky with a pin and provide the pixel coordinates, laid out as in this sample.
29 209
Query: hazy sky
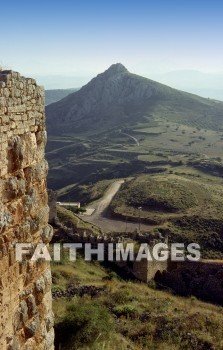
82 38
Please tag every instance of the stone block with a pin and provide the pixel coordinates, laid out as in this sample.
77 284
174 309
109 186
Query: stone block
26 318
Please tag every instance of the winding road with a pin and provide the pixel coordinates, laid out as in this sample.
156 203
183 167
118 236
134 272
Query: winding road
105 201
131 137
103 219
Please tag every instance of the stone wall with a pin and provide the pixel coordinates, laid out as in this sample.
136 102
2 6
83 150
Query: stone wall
26 319
203 279
143 270
146 270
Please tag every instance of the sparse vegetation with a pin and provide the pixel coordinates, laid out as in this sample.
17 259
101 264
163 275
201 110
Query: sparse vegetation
130 315
85 193
72 220
174 157
186 207
158 193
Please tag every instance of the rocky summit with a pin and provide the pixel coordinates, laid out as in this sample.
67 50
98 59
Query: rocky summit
118 98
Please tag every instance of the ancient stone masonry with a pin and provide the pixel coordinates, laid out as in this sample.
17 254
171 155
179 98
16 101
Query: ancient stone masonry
26 319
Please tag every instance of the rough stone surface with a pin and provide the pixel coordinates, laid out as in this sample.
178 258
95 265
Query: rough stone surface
25 295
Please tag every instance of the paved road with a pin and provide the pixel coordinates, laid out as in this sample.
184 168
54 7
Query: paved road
101 217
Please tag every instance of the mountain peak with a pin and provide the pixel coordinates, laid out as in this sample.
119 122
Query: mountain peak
116 68
116 97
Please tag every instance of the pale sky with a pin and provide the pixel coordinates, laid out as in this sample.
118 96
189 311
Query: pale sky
70 39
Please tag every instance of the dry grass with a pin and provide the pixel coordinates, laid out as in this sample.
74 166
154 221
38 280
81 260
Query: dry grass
147 318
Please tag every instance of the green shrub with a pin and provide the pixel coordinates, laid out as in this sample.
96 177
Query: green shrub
55 277
73 281
121 296
83 325
127 310
152 284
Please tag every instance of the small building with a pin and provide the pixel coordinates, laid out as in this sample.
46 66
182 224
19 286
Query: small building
70 204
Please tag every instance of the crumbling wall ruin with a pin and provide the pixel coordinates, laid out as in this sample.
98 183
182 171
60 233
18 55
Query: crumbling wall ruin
26 319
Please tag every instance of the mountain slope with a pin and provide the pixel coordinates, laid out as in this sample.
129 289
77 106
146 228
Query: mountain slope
118 98
52 96
121 125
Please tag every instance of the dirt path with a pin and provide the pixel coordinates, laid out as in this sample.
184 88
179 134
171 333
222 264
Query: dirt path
101 217
104 203
131 137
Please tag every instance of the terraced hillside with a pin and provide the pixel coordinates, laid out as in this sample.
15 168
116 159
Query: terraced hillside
121 124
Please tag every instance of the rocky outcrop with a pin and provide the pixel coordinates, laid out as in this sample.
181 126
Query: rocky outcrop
25 287
92 291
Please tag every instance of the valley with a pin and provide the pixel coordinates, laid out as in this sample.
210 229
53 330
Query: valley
151 135
145 162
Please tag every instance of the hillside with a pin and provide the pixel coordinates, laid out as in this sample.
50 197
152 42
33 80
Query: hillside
121 125
185 207
52 96
118 98
97 306
126 314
